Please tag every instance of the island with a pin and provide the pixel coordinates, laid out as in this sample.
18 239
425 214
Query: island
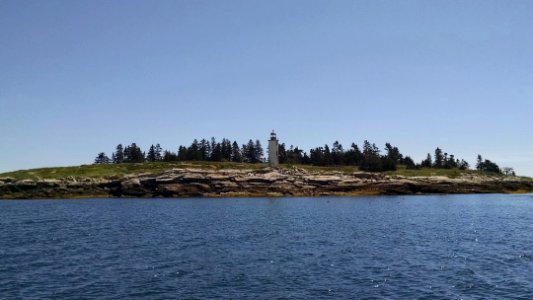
229 179
224 169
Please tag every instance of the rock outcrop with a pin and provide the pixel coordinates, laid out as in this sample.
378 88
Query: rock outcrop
249 183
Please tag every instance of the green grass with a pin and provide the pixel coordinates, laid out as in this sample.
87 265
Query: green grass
119 170
425 172
401 170
319 169
113 170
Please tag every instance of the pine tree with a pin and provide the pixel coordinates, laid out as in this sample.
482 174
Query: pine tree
371 160
182 153
337 153
248 152
118 155
354 156
409 163
327 159
151 154
393 153
439 158
205 149
451 162
258 152
169 156
463 165
226 149
216 153
368 149
295 156
244 152
236 154
102 159
487 166
133 154
427 163
282 153
316 156
158 152
479 164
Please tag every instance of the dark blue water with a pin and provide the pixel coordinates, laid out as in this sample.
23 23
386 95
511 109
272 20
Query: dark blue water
433 247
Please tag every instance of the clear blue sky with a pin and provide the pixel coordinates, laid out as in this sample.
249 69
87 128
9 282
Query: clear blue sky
79 77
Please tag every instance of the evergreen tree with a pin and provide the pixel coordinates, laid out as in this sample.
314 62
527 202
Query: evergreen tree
205 149
387 164
487 166
316 156
479 164
371 160
337 153
249 152
393 153
451 162
169 156
151 154
439 158
102 159
258 152
427 163
118 155
306 160
354 156
282 153
245 151
295 156
133 154
236 154
409 163
216 153
327 158
193 152
158 152
463 165
182 153
226 149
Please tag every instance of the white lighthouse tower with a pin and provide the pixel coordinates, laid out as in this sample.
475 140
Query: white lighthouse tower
273 150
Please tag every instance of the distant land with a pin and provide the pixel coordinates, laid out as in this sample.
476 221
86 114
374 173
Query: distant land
225 169
231 179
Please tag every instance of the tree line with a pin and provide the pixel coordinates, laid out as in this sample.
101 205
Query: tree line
368 158
203 150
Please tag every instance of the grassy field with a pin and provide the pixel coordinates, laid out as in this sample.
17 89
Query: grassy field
450 173
111 170
117 170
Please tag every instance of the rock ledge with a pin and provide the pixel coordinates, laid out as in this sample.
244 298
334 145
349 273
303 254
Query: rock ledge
255 183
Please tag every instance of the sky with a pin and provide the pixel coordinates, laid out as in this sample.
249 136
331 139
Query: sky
79 77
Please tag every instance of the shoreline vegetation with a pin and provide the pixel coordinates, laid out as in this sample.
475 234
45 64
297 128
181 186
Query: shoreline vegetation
232 179
225 169
368 158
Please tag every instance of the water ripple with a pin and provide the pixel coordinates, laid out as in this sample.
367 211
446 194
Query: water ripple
434 247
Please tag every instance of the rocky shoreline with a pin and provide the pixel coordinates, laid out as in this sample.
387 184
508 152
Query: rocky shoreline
255 183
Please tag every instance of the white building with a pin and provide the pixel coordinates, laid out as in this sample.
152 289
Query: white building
273 150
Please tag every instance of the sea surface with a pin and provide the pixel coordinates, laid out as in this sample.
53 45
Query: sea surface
390 247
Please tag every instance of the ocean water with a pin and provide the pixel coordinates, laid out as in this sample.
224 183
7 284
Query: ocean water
394 247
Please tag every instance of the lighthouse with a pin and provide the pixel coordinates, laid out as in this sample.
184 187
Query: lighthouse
273 150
